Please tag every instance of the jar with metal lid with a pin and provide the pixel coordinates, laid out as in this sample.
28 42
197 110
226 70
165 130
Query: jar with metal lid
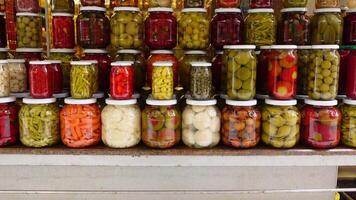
262 70
121 123
62 30
4 78
123 3
18 75
201 86
62 6
216 67
226 27
260 27
327 4
121 80
261 4
93 28
227 3
161 124
3 39
280 123
327 26
39 122
161 29
351 4
162 80
60 98
241 122
30 6
321 124
82 79
194 3
294 3
193 29
9 125
160 3
99 3
348 125
349 33
303 53
19 97
66 56
40 78
4 53
294 27
28 30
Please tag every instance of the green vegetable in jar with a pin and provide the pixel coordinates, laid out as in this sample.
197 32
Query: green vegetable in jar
260 28
28 30
327 28
201 86
303 64
82 80
348 127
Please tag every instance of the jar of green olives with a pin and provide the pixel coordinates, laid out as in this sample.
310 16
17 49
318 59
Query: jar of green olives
66 56
162 80
303 53
28 30
83 76
201 85
348 126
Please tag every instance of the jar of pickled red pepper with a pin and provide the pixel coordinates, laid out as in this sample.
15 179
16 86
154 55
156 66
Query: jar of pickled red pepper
123 3
261 4
294 27
260 27
60 98
121 80
349 33
327 26
216 68
18 75
82 79
40 78
62 30
303 53
4 53
227 3
201 84
348 125
99 3
161 124
66 56
160 3
194 3
121 123
351 4
39 122
193 29
3 39
93 28
262 70
4 78
161 29
162 80
30 6
9 125
345 52
321 124
294 3
57 77
241 122
62 6
327 4
280 123
28 30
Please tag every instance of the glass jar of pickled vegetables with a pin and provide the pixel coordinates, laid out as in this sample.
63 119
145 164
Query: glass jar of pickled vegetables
60 98
260 27
93 28
160 3
351 4
39 122
121 80
294 3
62 30
194 3
282 72
201 124
294 27
344 52
216 68
121 123
99 3
28 30
4 78
201 85
3 39
57 75
123 3
227 3
327 26
321 124
193 29
327 4
40 78
18 75
82 79
262 70
66 56
9 125
162 80
226 27
261 4
349 33
303 53
161 29
29 6
161 124
323 72
241 122
62 6
280 123
348 125
4 53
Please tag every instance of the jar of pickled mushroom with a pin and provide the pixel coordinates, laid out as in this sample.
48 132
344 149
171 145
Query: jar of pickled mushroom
39 122
294 3
201 85
161 124
57 75
303 53
126 28
351 4
348 125
193 29
323 72
29 6
260 27
40 78
327 26
93 28
226 27
62 6
280 123
66 56
261 4
227 3
216 67
28 30
18 75
194 3
160 3
241 122
121 123
9 125
327 4
82 79
123 3
3 39
282 72
19 97
262 70
121 80
345 52
161 29
162 80
62 30
294 27
321 124
99 3
240 63
4 53
349 33
4 78
60 98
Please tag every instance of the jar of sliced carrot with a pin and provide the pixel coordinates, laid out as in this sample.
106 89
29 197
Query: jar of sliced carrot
80 123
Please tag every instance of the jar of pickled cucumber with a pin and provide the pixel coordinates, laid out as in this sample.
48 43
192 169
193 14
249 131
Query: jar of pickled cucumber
39 122
121 80
280 123
262 70
327 4
4 78
66 56
62 6
160 3
18 75
351 4
9 125
40 78
321 124
99 3
161 124
303 53
348 125
4 53
345 52
96 75
260 4
240 61
294 3
3 39
201 86
63 30
294 27
162 80
349 38
327 26
29 6
216 67
260 27
241 122
323 72
193 29
123 3
227 3
28 30
82 79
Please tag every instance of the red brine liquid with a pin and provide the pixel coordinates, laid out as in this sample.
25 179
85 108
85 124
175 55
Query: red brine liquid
31 6
57 76
349 33
63 30
9 127
41 80
121 81
344 54
351 75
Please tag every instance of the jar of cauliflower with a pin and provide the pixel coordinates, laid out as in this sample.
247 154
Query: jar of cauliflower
201 124
121 123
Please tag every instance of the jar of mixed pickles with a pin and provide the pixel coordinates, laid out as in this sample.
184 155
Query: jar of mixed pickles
294 3
121 80
63 30
216 67
161 124
18 75
162 80
241 122
294 27
321 124
29 6
28 30
66 56
349 36
39 122
160 3
3 39
260 4
348 125
194 3
123 3
262 70
82 79
4 53
280 123
99 3
327 26
4 78
327 4
227 3
62 6
201 86
9 125
40 78
303 53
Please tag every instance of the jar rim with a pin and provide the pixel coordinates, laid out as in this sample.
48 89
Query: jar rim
160 9
125 102
291 102
122 63
351 10
92 8
61 95
200 64
39 62
251 102
4 49
264 47
72 101
195 52
162 64
240 46
99 95
320 103
187 10
134 9
62 50
4 62
95 51
2 13
327 46
61 14
349 101
283 47
327 10
28 100
154 102
81 62
20 94
296 9
29 50
162 52
27 14
129 51
261 96
16 61
301 96
304 47
260 10
228 10
7 99
210 102
54 61
92 61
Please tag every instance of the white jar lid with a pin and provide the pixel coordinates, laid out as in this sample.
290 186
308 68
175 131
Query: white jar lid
153 102
283 47
54 61
349 101
264 47
187 10
163 64
95 51
62 15
252 102
161 52
87 62
16 61
306 47
39 62
227 10
351 10
7 99
239 46
200 64
20 94
301 97
327 10
62 50
160 9
129 51
195 52
92 8
4 62
341 97
38 101
4 49
2 13
98 95
329 46
320 103
291 102
27 14
298 9
29 50
132 9
122 63
261 96
260 10
209 102
61 95
79 101
110 101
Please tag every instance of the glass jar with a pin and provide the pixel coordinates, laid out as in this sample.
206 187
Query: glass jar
193 29
262 70
93 28
121 80
240 61
327 4
351 4
327 25
227 3
201 85
241 122
28 30
280 123
3 39
57 77
60 98
323 72
121 123
348 134
294 27
40 78
162 80
39 122
194 3
30 6
9 125
351 74
161 29
99 3
18 75
62 6
123 3
161 124
201 124
66 56
282 72
216 67
321 124
260 27
4 53
303 53
344 52
226 27
4 78
82 79
261 4
349 33
294 3
62 30
160 3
